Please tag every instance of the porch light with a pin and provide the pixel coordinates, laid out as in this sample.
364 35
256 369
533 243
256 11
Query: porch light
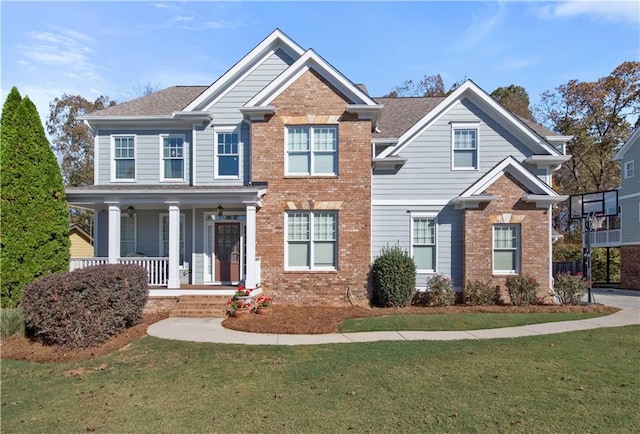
131 210
220 209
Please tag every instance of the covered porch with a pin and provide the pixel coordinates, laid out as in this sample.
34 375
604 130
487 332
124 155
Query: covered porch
189 239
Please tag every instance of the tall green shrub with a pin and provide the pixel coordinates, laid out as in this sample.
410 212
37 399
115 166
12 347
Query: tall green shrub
394 277
34 214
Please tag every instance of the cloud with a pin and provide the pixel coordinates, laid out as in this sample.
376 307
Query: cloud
480 26
222 24
515 64
610 11
182 19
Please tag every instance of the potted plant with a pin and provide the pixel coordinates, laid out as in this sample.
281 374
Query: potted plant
242 293
237 307
263 305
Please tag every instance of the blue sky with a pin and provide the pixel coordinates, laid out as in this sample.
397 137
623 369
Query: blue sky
115 48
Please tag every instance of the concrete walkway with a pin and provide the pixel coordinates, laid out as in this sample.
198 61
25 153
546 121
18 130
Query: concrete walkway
211 329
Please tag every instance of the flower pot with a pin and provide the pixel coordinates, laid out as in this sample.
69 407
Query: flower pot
238 313
263 310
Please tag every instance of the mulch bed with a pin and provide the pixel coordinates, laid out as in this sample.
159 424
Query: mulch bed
282 320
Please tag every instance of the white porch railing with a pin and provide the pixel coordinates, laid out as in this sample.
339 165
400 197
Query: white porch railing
610 238
157 268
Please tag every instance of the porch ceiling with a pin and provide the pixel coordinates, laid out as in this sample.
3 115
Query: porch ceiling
138 195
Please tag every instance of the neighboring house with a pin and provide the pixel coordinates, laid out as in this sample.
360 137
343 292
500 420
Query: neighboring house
287 176
81 243
629 202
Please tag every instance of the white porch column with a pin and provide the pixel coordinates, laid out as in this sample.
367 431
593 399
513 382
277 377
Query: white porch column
174 246
250 279
114 232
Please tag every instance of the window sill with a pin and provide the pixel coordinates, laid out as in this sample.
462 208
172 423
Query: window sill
464 169
130 181
329 176
504 273
173 181
314 271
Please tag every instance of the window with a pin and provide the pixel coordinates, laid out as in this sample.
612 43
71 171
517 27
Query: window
312 150
127 234
423 243
311 240
172 157
164 236
227 155
506 249
465 149
628 169
124 158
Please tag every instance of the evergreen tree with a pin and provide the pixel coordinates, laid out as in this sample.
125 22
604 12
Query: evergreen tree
35 220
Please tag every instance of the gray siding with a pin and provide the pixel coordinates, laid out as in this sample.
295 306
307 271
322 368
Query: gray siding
631 185
392 224
427 173
205 157
148 155
630 206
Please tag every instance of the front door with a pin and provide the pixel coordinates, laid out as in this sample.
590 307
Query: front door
227 252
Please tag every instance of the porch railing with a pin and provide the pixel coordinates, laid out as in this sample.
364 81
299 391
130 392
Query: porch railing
610 238
157 268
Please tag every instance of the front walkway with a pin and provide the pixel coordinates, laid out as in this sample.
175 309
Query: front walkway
211 329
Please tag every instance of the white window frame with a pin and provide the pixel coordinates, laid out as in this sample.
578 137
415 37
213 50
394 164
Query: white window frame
135 233
182 231
419 216
312 241
163 158
216 167
113 157
518 249
465 126
629 169
312 152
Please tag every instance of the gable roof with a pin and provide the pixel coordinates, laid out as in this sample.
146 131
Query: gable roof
400 114
469 90
161 103
276 40
634 138
539 192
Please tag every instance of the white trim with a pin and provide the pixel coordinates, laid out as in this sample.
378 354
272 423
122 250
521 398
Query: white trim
208 255
312 152
192 271
425 215
183 221
625 170
178 292
277 37
625 147
518 250
161 138
470 89
193 157
465 126
410 202
226 130
112 143
311 267
550 241
628 196
96 155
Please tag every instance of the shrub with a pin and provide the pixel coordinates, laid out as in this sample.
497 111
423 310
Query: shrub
394 277
11 322
86 307
569 289
522 289
480 293
440 291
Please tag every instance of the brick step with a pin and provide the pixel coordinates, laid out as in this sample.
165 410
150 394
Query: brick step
200 306
198 313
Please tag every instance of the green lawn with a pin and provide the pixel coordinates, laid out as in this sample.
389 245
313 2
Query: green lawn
572 382
468 321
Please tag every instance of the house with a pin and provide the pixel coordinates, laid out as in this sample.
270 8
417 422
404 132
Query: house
81 242
629 202
286 176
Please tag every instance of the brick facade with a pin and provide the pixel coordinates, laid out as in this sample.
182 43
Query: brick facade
311 100
630 267
508 208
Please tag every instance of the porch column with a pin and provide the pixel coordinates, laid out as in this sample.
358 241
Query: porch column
114 232
250 278
174 247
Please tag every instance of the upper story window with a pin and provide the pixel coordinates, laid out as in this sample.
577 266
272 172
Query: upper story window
312 240
172 157
423 242
124 158
464 148
628 169
227 155
506 249
312 150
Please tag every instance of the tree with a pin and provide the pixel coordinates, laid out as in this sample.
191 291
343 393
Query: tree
35 220
599 115
515 99
430 85
72 139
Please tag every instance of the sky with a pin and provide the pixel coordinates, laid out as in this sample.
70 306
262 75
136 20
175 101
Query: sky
116 49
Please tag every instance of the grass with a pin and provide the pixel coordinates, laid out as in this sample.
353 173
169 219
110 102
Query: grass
468 321
582 381
11 322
